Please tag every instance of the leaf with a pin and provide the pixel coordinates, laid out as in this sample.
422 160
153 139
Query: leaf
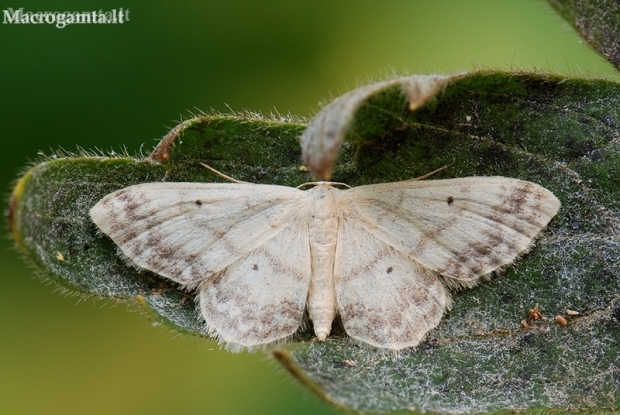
561 133
49 206
597 22
322 139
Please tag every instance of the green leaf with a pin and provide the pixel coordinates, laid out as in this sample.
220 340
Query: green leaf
561 133
597 22
49 210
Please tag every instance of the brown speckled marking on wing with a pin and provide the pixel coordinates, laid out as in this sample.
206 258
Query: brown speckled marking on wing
489 221
384 298
260 298
160 227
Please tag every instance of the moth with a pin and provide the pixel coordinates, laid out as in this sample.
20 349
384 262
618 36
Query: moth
383 256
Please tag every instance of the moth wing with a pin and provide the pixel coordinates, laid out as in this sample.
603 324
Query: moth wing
260 298
460 228
188 232
384 298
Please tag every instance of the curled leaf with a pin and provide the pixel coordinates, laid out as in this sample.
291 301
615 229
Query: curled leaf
323 137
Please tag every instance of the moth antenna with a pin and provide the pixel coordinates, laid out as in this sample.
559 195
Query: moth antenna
429 174
222 175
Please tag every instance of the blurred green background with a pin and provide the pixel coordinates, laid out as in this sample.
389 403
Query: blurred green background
111 86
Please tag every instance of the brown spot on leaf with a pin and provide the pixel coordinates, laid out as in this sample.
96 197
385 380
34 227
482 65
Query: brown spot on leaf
162 151
11 215
535 314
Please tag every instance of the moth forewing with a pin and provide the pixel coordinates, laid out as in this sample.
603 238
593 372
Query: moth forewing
188 232
461 228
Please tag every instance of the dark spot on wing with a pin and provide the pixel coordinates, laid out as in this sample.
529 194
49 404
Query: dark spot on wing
255 267
198 202
389 270
450 200
364 268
